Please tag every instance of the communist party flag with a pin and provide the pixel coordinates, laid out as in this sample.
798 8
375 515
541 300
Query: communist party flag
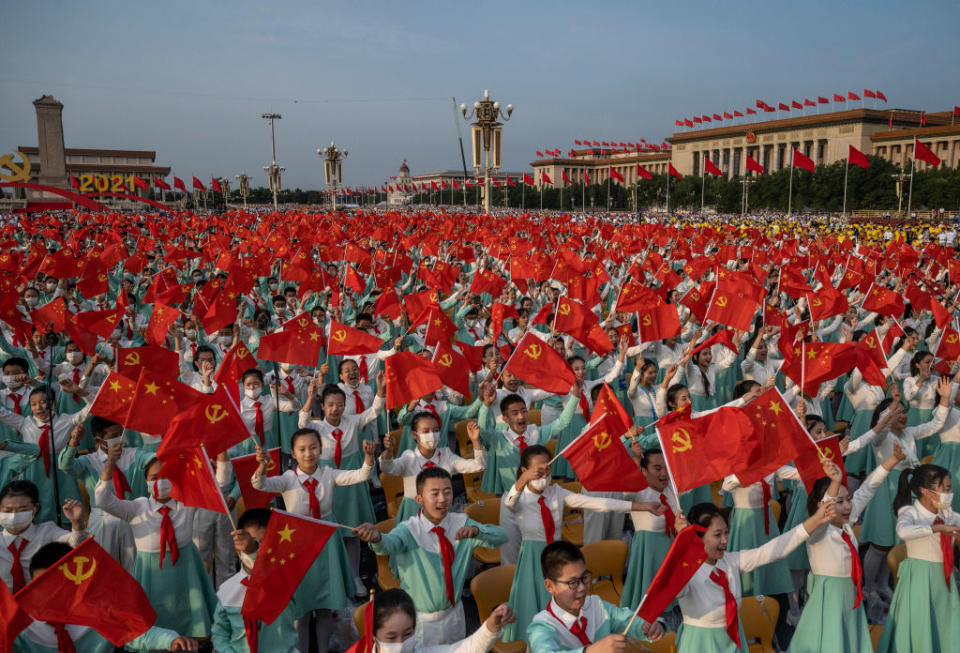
347 341
101 323
289 548
884 301
734 304
600 460
193 482
157 400
949 347
535 362
573 318
777 437
87 587
452 368
237 361
409 377
213 422
826 303
160 320
114 398
244 467
12 619
160 361
869 348
657 321
808 462
682 561
299 343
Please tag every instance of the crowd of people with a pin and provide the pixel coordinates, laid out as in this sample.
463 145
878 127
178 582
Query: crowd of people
323 441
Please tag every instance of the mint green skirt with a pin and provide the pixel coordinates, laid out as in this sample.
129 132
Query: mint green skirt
928 445
698 639
561 468
797 560
528 596
879 522
948 457
924 615
746 532
646 555
181 594
701 494
829 622
863 461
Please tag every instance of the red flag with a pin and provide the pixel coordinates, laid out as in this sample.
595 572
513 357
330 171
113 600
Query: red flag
75 182
868 93
673 171
643 173
566 178
213 422
801 160
289 548
753 165
858 158
884 301
734 304
940 314
101 323
452 367
923 118
94 280
160 183
600 460
156 400
852 96
178 184
808 462
114 398
783 107
538 364
409 377
923 153
244 467
658 321
215 185
299 343
819 362
839 98
610 408
709 167
12 619
545 178
528 179
347 341
684 557
795 104
586 178
198 185
161 362
778 437
724 338
160 320
193 482
87 587
949 347
881 96
141 183
50 316
236 361
616 175
822 100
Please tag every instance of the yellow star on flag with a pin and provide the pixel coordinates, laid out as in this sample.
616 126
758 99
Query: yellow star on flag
151 388
775 407
286 534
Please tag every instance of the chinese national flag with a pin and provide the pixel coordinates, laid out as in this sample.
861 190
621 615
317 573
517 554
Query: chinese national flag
709 167
289 548
192 478
347 341
353 280
498 313
141 183
673 171
213 422
801 160
222 311
160 183
643 173
884 301
178 184
819 362
157 400
12 619
162 362
923 153
440 329
198 185
244 467
114 398
160 320
808 462
682 561
473 355
634 296
50 316
894 332
858 158
538 364
733 304
299 343
487 281
94 281
777 437
452 368
609 407
85 340
600 460
87 587
754 165
237 361
658 321
409 377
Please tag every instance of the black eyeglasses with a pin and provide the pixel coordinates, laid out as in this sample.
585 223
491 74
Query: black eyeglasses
575 583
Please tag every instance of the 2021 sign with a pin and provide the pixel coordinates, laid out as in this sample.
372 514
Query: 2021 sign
106 183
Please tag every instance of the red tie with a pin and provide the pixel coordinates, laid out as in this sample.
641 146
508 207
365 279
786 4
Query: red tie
289 381
548 524
579 630
446 555
946 547
76 379
669 526
766 506
258 422
44 444
729 604
584 406
856 571
168 538
364 370
16 569
521 443
120 484
428 465
338 451
358 406
250 625
193 351
16 403
311 485
64 643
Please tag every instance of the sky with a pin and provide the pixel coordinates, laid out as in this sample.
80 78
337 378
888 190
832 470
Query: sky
191 79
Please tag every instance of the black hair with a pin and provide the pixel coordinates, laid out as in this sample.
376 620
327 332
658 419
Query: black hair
878 411
342 363
529 453
431 472
16 360
557 555
915 361
361 317
257 517
261 318
653 451
48 555
906 333
743 387
421 415
703 375
916 479
647 364
42 390
703 513
510 400
816 495
331 390
574 359
100 424
21 488
203 349
488 348
150 463
672 392
252 372
387 602
810 421
302 432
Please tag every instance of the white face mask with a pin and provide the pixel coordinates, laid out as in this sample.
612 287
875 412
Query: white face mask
16 521
51 286
252 393
161 489
946 500
539 484
75 357
406 646
32 301
190 333
248 560
8 380
112 441
225 340
429 440
273 286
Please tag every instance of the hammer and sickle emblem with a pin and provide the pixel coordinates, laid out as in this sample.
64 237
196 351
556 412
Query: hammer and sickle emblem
112 318
242 352
101 277
952 338
869 342
533 351
646 320
602 440
272 464
339 335
446 360
827 453
681 441
131 359
302 322
78 575
18 172
564 309
214 413
721 301
816 301
695 295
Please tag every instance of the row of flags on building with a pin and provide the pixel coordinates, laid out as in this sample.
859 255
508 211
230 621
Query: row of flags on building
765 107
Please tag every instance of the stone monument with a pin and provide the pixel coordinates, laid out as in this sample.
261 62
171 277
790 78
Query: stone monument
52 157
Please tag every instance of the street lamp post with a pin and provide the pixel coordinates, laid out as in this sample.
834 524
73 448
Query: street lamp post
899 178
486 138
224 190
333 169
273 170
244 187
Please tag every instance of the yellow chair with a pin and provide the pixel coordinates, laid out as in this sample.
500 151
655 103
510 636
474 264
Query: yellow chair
715 491
572 486
471 483
759 620
876 630
490 588
926 460
551 446
533 417
775 506
856 531
464 445
606 560
666 644
485 511
395 434
895 556
392 492
571 529
385 577
358 617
